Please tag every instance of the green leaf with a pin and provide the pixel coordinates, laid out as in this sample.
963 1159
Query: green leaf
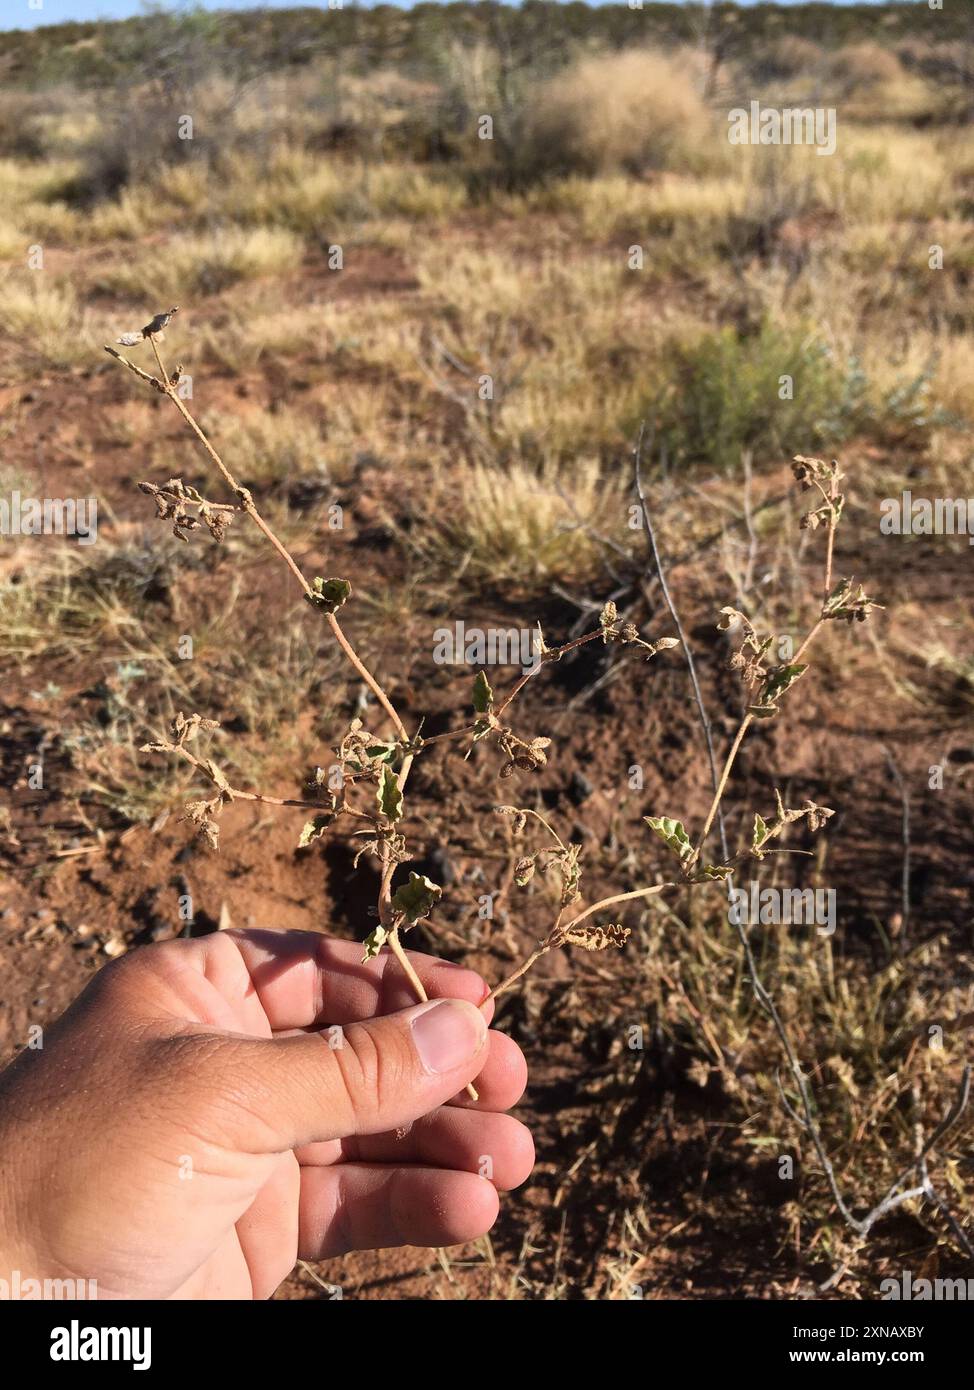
388 795
374 943
762 711
329 594
415 898
483 696
381 752
313 830
759 836
712 871
673 834
835 602
778 681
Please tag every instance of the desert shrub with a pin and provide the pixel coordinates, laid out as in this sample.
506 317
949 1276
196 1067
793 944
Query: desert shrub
21 134
146 125
861 67
474 78
630 111
373 787
130 143
726 396
791 55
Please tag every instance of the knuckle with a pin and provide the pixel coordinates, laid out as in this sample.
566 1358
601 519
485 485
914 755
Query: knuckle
369 1072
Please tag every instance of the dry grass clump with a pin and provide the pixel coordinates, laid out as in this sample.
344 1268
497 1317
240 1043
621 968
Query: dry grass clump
82 601
487 296
883 173
564 345
627 111
672 205
316 195
23 182
353 334
42 319
207 263
268 447
12 241
521 525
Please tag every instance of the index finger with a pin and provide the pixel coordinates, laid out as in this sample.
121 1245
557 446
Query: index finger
304 980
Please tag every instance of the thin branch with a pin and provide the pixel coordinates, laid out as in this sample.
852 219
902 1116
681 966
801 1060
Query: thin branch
688 654
905 832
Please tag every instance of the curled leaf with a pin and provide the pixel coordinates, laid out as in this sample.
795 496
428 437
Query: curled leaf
730 616
712 871
592 937
157 324
389 795
779 680
329 594
374 943
673 834
313 830
483 696
203 815
608 618
524 872
415 898
846 605
517 816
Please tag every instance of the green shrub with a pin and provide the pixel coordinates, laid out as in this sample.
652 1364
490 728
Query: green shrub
731 393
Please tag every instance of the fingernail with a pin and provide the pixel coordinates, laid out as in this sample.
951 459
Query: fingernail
447 1033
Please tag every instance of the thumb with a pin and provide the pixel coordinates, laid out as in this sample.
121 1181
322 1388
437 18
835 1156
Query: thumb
364 1078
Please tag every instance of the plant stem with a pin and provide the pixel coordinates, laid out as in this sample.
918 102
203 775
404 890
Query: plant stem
522 969
546 946
246 501
619 898
745 724
555 655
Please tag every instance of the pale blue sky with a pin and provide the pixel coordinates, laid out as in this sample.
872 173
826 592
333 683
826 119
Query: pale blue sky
19 14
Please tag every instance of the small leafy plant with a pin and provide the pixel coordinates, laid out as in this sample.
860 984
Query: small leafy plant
375 765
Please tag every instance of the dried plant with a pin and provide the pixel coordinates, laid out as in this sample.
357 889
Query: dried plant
375 767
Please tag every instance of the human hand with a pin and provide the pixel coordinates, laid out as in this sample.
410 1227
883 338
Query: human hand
210 1110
